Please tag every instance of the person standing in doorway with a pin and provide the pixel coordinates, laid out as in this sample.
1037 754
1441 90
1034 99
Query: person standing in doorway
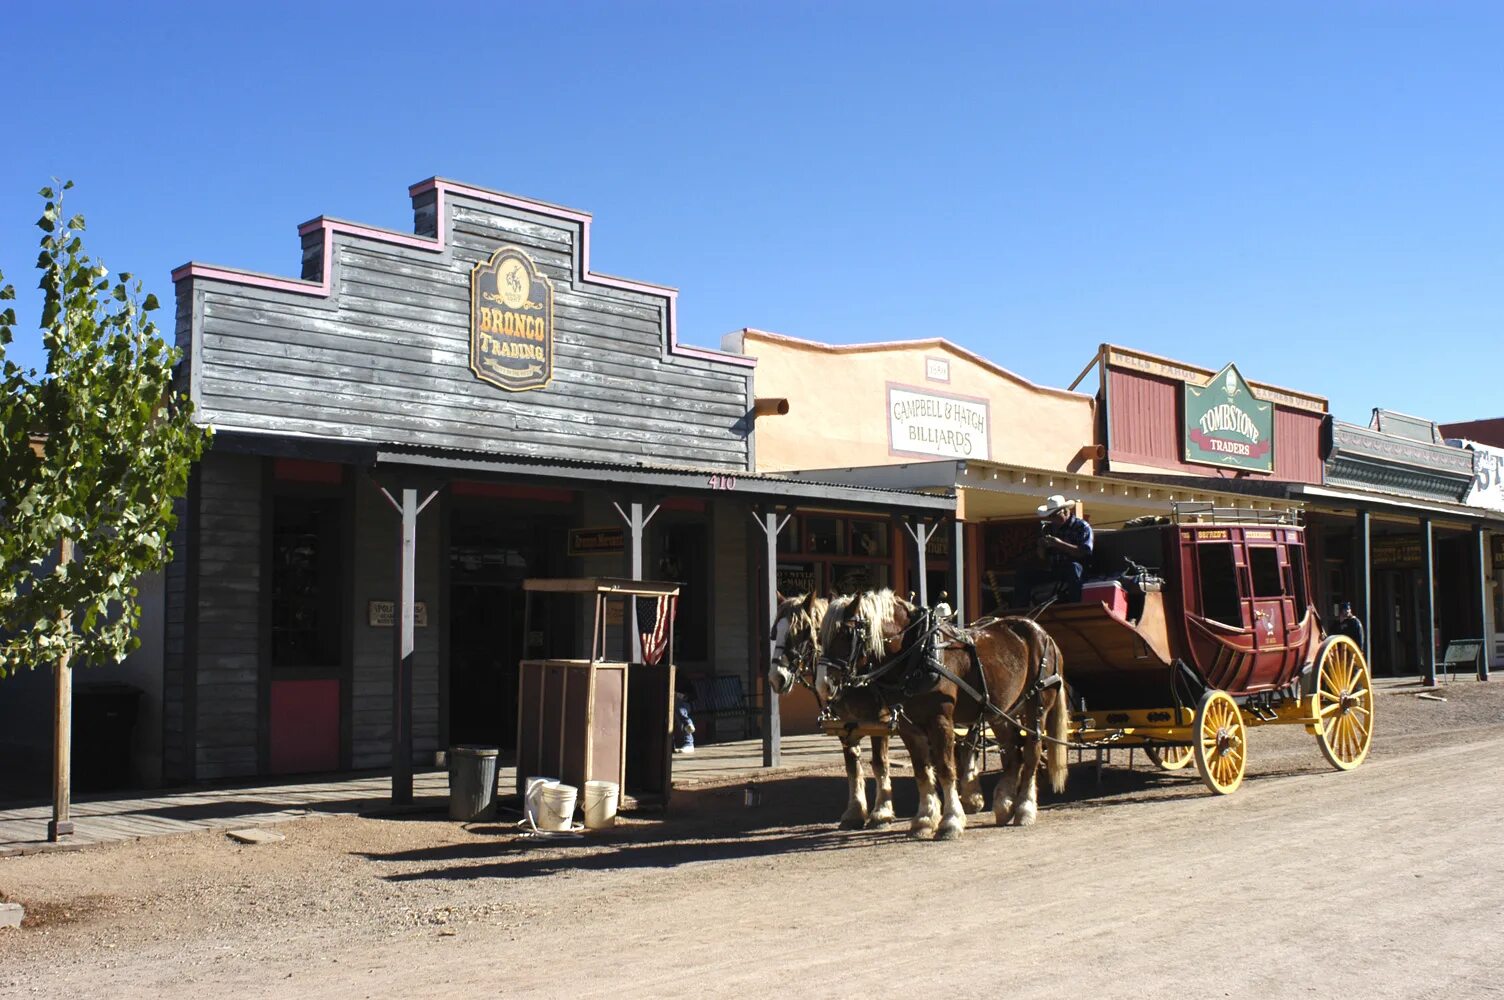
1351 625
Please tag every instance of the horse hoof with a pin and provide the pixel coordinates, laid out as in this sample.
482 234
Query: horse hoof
922 833
1025 816
973 804
878 822
948 833
852 823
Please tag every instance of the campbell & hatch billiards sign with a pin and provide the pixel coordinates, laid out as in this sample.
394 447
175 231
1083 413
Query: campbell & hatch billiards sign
1227 425
511 322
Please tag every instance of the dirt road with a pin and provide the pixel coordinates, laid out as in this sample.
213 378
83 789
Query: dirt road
1385 882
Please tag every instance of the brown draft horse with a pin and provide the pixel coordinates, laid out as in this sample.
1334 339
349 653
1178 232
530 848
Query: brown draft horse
796 650
1012 656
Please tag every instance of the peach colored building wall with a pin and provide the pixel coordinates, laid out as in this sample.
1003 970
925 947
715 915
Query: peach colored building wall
839 406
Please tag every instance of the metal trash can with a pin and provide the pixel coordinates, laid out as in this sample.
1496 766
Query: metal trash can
472 783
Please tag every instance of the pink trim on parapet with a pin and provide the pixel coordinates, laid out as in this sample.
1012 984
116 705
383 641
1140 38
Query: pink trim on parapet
436 244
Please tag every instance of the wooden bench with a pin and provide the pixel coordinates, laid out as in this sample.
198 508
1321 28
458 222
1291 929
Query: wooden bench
721 700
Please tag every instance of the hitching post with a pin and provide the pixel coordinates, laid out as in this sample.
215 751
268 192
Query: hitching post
772 720
1428 603
402 643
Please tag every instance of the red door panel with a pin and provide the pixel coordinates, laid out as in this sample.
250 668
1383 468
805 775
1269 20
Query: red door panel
305 726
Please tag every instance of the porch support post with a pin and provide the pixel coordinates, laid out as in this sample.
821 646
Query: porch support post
1480 546
770 524
958 572
1364 581
61 824
1427 603
922 532
636 526
402 642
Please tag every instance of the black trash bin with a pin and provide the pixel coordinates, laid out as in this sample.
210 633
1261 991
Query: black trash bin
472 783
104 725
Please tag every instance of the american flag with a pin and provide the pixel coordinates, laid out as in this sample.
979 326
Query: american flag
655 616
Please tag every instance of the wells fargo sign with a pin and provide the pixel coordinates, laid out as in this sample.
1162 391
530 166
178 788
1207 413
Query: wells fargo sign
1226 425
511 322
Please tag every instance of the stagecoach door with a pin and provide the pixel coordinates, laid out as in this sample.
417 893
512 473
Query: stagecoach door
1276 625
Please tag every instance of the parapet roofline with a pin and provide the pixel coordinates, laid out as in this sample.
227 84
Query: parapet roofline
445 189
889 345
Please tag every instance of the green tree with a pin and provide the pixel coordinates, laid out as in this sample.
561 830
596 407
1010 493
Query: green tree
94 450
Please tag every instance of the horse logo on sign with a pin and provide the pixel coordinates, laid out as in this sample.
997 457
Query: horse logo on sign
511 322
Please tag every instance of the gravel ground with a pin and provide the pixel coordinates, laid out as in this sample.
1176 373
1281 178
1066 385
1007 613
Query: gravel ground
198 914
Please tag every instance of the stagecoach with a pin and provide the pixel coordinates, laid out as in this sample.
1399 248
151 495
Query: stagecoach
1201 629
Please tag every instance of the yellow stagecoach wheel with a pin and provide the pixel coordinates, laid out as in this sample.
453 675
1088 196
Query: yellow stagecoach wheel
1343 703
1170 758
1221 747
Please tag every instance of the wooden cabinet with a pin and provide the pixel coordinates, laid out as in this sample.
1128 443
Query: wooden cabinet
595 719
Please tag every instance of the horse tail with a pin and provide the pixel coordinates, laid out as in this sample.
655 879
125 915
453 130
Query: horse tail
1059 725
1055 721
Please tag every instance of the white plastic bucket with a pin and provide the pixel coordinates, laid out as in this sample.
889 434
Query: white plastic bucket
601 798
532 798
555 806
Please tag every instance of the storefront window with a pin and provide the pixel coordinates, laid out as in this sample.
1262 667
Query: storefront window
305 581
823 536
869 538
828 555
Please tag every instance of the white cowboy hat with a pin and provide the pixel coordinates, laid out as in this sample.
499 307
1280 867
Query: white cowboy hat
1052 504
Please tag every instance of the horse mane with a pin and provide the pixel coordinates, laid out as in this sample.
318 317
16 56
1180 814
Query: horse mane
835 617
877 607
811 618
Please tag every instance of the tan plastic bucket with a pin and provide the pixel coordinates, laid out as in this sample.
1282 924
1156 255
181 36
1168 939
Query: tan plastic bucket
601 798
556 806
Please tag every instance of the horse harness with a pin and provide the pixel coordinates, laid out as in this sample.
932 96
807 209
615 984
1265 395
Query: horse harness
918 667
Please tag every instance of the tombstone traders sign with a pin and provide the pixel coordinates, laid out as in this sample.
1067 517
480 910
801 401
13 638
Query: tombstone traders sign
1226 425
511 322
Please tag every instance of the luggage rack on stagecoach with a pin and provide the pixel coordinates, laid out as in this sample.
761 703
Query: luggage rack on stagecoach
1204 512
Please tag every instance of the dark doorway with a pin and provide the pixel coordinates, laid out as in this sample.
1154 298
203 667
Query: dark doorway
1392 635
493 547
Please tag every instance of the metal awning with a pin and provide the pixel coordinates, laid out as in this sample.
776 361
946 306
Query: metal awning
989 490
708 482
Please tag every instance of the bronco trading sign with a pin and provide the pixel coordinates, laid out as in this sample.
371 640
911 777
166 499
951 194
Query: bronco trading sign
1226 425
511 322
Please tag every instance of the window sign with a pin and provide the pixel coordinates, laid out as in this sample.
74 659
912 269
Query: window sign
1226 425
926 423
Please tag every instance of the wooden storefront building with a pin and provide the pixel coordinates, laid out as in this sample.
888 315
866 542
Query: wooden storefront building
477 384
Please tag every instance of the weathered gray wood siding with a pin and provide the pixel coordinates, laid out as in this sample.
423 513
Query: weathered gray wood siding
730 569
226 617
175 757
376 546
385 357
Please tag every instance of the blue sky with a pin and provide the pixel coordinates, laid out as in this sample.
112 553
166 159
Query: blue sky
1313 191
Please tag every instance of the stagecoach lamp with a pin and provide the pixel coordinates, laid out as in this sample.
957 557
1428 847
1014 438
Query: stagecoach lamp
751 795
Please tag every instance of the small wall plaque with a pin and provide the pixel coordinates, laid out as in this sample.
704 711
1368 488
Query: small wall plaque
383 614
